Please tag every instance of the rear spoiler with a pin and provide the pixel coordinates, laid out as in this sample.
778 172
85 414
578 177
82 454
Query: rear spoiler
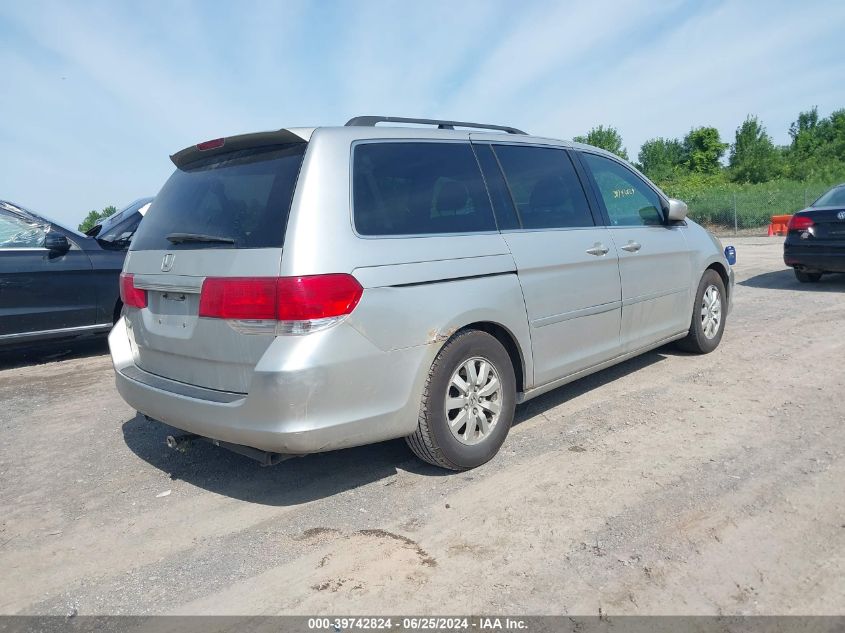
233 144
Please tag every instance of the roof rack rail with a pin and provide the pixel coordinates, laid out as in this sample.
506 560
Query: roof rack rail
370 121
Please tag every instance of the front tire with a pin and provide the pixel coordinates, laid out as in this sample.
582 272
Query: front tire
805 277
708 315
468 403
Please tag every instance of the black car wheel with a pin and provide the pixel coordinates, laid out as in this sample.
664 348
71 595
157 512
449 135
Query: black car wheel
805 277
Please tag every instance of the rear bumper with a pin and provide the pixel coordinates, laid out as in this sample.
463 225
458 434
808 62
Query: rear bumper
815 258
299 401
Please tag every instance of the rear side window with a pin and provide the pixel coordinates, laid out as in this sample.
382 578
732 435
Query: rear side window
628 199
545 187
418 188
243 198
834 197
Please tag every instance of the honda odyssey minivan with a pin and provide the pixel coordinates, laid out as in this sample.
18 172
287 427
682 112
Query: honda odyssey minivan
306 290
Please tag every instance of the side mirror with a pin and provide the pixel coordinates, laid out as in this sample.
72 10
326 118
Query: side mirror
677 210
56 243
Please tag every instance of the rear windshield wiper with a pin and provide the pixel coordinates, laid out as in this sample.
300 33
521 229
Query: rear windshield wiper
181 238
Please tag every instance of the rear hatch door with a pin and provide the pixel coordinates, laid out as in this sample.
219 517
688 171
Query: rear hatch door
829 224
222 213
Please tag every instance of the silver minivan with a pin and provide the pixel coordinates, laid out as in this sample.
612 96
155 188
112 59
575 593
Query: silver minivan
306 290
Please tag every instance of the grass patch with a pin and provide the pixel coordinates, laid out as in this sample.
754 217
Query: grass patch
712 201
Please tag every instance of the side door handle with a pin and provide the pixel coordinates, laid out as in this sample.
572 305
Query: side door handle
598 249
632 246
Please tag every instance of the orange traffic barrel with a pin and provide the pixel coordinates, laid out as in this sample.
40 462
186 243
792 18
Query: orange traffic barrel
778 225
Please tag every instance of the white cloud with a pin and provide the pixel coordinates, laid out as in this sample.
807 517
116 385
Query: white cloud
544 48
104 91
713 69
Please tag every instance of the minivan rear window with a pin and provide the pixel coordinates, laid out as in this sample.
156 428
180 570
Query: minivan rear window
241 199
418 188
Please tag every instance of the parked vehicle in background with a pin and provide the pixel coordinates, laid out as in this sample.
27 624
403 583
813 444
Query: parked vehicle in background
56 282
117 231
304 290
815 240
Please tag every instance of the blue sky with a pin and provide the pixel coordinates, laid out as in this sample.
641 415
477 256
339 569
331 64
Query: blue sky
97 95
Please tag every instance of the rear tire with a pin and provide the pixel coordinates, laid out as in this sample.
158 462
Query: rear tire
805 277
708 315
471 377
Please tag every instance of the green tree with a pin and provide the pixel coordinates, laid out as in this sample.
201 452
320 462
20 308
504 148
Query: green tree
606 138
754 157
89 221
805 126
95 217
661 158
817 151
837 134
703 148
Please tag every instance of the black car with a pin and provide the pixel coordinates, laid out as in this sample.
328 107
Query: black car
117 231
56 282
815 242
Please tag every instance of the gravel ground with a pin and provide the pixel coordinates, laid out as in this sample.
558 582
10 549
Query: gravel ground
670 484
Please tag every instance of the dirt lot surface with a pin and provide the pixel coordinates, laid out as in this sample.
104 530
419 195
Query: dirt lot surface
668 484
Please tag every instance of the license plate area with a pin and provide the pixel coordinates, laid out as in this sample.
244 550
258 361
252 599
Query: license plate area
173 303
171 314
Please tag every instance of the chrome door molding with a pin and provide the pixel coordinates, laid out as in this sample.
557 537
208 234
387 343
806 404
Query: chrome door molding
574 314
81 329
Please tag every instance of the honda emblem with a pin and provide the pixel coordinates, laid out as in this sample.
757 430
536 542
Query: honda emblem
167 263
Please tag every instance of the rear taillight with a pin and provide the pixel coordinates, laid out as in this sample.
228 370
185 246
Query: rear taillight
316 297
238 298
130 295
283 305
800 223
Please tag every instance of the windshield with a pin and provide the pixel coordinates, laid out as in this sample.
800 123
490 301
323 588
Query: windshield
241 198
20 231
118 229
33 218
833 198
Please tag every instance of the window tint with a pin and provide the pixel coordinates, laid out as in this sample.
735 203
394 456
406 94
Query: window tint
243 196
119 234
834 197
16 232
544 186
628 199
418 188
106 229
506 217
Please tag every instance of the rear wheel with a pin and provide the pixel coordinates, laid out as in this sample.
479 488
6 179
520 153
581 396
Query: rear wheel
468 403
708 315
805 277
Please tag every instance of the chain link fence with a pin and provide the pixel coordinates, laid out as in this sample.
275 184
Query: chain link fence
748 212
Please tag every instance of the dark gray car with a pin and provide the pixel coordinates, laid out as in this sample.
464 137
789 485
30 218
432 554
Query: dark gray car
56 282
